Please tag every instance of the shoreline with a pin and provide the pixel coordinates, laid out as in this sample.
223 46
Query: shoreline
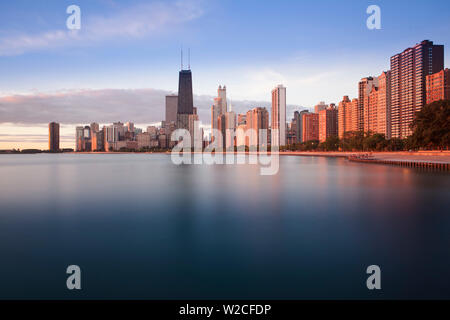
430 159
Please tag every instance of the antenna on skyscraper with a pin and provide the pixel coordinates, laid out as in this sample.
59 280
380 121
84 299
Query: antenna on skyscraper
189 58
181 57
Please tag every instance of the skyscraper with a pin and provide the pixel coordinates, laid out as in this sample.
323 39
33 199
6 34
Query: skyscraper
328 123
222 94
365 86
370 111
296 126
230 127
53 136
171 108
185 106
257 119
438 86
348 115
300 125
384 104
310 127
279 115
222 127
79 136
408 83
219 107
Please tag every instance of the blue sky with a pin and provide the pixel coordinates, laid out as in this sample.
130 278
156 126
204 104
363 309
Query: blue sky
318 49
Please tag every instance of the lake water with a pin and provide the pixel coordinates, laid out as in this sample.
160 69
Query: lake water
141 227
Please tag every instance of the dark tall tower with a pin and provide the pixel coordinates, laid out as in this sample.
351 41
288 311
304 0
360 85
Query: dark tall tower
408 88
53 136
185 98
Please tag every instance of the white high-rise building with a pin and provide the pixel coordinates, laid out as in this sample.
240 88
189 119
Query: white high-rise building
279 116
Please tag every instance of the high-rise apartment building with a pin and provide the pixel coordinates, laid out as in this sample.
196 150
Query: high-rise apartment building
171 108
279 115
365 87
408 83
383 105
348 116
370 111
257 119
328 123
296 127
310 127
53 136
438 86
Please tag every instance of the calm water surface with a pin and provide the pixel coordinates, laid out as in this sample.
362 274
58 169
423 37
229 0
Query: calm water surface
141 227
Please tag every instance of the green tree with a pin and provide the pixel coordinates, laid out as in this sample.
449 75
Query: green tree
431 126
330 144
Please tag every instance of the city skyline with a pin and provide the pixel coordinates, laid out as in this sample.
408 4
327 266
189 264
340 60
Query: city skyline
318 73
371 111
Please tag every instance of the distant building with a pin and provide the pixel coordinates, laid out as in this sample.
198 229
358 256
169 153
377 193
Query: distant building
79 136
222 94
221 127
97 137
143 140
129 126
408 83
310 127
320 106
97 141
257 119
53 136
279 115
171 108
438 86
113 134
328 123
300 125
241 119
219 108
230 127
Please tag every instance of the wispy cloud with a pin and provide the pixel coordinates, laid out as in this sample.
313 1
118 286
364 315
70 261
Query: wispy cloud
103 106
141 20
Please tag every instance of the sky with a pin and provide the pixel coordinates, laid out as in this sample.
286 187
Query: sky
126 56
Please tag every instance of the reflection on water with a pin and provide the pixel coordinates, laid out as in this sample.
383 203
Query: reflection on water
141 227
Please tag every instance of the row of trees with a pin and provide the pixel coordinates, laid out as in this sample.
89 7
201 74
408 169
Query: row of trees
431 131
